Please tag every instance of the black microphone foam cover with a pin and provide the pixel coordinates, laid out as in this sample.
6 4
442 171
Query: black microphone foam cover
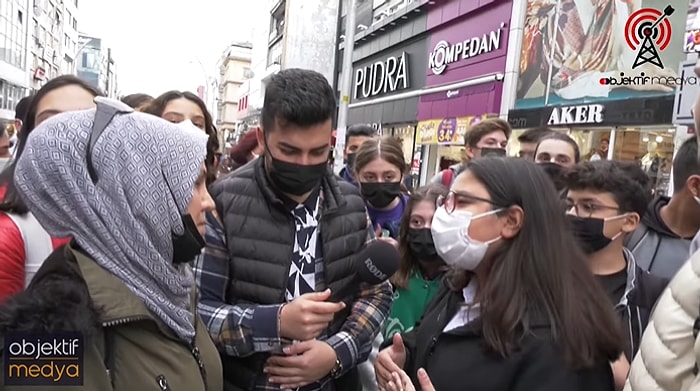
377 262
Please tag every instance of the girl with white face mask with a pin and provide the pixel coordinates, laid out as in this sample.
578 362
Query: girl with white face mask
519 295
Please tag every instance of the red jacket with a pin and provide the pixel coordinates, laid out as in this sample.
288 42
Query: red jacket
12 255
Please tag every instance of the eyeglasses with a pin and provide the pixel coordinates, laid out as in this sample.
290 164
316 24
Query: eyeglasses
586 208
450 201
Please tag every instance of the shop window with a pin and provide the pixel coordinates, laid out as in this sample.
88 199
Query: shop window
651 148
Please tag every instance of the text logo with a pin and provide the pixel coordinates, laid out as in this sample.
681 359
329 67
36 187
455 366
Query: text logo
648 31
43 359
583 114
381 276
444 53
643 79
381 77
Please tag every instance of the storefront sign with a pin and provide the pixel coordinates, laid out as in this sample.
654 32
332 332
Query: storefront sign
381 77
626 112
446 131
445 53
582 114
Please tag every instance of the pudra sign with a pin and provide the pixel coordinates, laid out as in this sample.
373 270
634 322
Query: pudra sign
446 53
381 77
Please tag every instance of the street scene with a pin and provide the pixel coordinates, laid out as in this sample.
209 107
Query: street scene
350 195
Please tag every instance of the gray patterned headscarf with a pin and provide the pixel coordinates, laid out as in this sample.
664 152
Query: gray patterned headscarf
147 169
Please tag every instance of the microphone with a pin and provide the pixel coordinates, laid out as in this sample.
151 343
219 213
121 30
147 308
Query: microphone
373 265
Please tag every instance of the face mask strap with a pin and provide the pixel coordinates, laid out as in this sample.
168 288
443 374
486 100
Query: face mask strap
486 214
617 235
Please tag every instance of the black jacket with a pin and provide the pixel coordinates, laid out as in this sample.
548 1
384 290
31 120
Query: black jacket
459 360
655 247
260 234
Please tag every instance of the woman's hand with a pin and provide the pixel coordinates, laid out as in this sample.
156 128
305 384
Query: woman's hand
401 382
390 360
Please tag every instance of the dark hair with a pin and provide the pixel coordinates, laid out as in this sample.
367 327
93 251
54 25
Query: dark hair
241 151
11 202
359 130
137 101
481 129
408 261
686 163
297 97
22 107
566 139
528 278
3 131
534 135
629 185
387 148
157 106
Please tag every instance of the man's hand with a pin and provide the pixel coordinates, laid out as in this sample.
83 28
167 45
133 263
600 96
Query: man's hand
389 361
307 316
402 382
305 362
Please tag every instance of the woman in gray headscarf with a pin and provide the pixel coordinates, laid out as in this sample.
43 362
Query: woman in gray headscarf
130 189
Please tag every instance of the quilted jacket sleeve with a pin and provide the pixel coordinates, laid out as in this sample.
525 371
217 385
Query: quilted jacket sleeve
12 258
669 350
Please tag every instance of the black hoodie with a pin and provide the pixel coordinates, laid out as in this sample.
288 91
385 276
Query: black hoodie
655 247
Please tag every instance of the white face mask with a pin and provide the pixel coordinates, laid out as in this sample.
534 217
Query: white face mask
452 241
189 126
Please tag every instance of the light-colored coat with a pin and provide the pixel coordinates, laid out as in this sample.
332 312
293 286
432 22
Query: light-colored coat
669 350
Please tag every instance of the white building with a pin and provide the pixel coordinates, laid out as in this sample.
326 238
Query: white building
53 39
15 22
300 34
234 71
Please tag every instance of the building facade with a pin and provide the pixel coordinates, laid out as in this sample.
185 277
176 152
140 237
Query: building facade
299 34
15 22
234 71
424 71
608 99
95 65
54 39
466 63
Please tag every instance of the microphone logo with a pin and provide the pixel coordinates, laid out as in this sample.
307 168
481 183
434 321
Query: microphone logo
381 276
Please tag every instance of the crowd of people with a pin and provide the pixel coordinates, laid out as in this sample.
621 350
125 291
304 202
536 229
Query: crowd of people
535 272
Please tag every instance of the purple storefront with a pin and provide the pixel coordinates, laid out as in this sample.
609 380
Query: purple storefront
467 57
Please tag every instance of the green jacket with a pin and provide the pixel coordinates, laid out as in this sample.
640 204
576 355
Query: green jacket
71 292
410 303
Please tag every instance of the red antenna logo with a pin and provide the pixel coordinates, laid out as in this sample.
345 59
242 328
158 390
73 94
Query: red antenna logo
648 31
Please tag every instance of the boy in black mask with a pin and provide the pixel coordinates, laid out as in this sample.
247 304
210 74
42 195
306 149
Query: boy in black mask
605 201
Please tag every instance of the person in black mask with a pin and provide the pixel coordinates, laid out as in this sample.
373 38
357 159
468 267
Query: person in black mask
556 153
486 138
418 277
606 200
284 249
379 169
355 136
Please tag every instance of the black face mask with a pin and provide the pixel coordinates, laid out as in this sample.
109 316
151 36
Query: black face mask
350 161
380 195
555 172
188 245
296 179
420 242
589 232
498 152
